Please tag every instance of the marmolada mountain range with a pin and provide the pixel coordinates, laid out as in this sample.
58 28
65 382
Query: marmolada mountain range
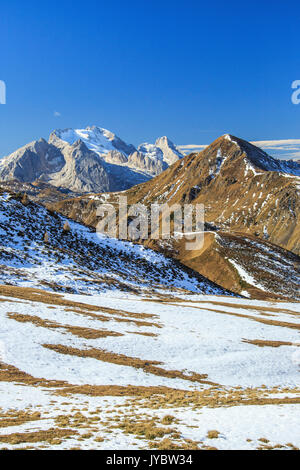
112 343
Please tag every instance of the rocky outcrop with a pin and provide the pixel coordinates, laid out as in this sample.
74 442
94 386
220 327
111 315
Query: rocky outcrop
170 152
73 167
116 157
163 150
82 172
31 161
145 163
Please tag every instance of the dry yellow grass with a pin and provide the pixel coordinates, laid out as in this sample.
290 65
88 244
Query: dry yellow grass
148 366
241 306
9 373
51 299
168 419
17 417
169 444
87 333
294 326
213 434
113 390
146 428
115 317
142 334
274 344
169 398
260 308
52 436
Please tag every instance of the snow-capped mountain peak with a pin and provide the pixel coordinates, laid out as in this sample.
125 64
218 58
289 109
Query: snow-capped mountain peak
92 159
151 151
163 150
170 151
260 159
97 139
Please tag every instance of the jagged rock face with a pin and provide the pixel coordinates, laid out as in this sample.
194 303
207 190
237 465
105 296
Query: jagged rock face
115 163
151 151
145 163
171 153
82 170
31 161
163 150
74 167
116 157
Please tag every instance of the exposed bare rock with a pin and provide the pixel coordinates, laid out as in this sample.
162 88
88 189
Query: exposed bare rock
71 166
102 162
145 163
171 153
162 151
116 157
31 161
82 170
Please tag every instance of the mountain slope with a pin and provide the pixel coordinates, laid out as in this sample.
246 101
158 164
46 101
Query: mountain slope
243 189
116 370
109 345
240 262
246 193
31 161
36 250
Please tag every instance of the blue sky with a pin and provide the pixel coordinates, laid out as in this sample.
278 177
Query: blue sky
191 70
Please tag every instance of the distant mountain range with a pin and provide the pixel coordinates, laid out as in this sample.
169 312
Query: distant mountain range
88 160
97 160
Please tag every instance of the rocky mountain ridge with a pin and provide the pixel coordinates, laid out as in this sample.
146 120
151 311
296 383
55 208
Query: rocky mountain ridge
87 160
247 195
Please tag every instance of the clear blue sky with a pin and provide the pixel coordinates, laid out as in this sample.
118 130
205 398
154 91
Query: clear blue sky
191 70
